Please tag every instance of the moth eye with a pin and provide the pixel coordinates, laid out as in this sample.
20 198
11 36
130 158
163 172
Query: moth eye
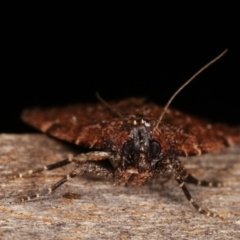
128 149
155 148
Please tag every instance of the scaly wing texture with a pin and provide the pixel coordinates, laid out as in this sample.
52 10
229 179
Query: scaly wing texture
97 126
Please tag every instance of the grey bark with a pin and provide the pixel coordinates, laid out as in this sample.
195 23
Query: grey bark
104 211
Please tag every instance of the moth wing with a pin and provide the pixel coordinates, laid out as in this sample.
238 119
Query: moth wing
90 125
97 126
195 136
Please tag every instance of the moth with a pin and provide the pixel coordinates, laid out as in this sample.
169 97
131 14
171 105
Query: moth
140 141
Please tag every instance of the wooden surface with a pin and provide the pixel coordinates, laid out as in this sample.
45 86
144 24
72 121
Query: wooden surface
103 211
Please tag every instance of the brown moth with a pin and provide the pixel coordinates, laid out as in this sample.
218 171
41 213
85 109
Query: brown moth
141 141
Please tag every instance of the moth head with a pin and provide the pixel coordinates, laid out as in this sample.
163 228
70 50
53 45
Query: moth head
140 150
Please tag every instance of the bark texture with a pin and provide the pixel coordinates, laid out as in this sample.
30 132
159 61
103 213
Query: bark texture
99 210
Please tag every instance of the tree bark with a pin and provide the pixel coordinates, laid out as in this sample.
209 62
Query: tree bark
87 208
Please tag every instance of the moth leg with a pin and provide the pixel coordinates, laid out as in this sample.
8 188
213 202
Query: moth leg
83 157
84 166
42 169
52 188
183 186
181 174
191 179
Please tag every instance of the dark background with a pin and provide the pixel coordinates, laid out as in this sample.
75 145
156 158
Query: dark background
56 55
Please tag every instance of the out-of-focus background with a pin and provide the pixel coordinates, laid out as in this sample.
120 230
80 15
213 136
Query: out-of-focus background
57 55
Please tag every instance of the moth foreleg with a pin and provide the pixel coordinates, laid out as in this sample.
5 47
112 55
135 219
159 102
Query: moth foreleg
84 166
53 187
181 174
183 186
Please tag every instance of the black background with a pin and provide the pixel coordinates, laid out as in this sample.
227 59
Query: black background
57 55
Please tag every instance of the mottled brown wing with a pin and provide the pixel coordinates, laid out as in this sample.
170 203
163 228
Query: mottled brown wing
90 125
196 136
97 126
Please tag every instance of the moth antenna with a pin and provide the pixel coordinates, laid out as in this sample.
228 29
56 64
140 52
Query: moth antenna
107 105
184 85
